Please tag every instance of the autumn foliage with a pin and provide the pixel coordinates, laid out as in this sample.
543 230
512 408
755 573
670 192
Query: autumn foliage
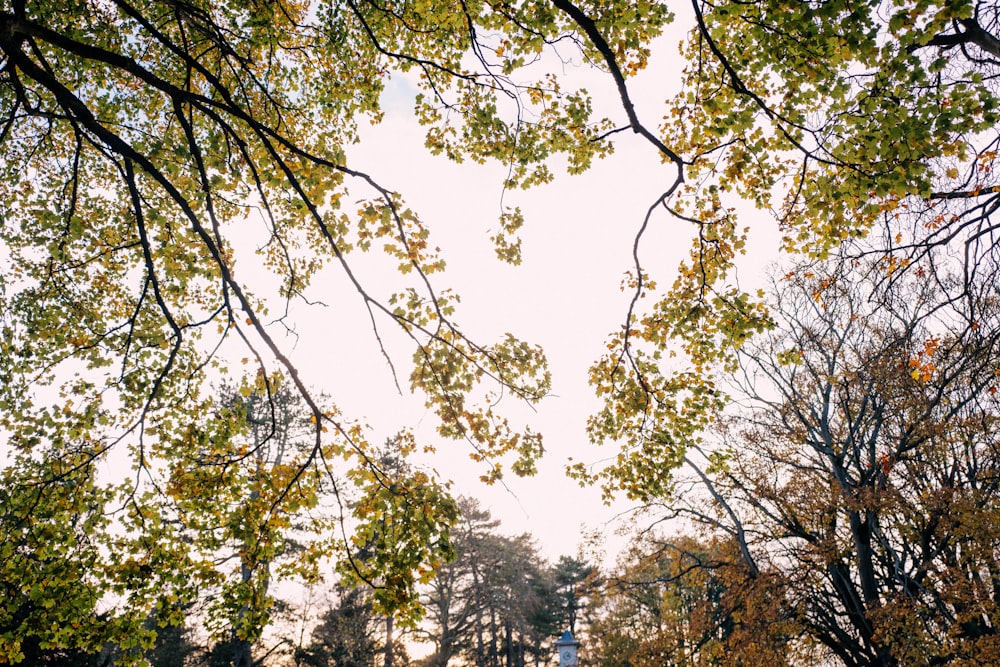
175 184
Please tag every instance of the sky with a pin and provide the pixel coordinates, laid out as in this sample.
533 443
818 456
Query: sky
565 296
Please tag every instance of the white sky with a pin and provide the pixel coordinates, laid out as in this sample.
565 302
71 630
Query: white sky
577 244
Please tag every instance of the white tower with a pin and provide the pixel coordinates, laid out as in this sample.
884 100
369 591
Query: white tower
566 646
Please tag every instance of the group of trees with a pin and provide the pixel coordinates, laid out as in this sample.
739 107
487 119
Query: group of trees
174 172
845 500
831 436
497 604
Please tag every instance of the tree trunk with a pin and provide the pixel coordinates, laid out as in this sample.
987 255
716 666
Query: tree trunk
509 639
494 655
242 650
388 641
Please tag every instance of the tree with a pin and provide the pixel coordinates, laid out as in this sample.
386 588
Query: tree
574 583
860 463
242 514
145 145
510 601
844 120
869 132
346 635
53 565
680 601
450 598
493 604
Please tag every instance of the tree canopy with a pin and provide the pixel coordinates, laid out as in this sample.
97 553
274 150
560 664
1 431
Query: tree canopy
174 181
840 122
174 178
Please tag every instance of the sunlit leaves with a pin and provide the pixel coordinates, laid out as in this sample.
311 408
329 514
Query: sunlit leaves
655 416
404 520
54 565
449 369
862 103
173 176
